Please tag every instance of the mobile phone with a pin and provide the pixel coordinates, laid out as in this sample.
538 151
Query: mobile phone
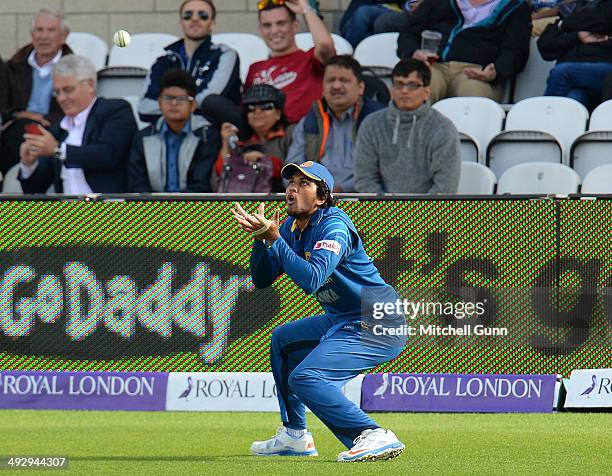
33 129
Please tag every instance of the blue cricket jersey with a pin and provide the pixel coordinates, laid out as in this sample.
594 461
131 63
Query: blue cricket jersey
326 259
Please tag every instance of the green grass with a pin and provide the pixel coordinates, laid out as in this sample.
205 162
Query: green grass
217 443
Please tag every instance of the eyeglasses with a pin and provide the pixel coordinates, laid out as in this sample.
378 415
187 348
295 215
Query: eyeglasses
264 3
177 99
202 15
68 90
410 86
262 106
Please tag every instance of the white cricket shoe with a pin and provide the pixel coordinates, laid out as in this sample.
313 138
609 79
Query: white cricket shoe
283 444
373 445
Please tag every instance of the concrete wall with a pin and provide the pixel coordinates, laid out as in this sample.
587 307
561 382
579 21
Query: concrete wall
103 17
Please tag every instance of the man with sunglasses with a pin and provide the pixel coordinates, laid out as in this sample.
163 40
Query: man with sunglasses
215 67
408 147
178 152
88 151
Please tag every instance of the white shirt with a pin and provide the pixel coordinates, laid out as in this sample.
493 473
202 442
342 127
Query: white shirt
73 179
46 69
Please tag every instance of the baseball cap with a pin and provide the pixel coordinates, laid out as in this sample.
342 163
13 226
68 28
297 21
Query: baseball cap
264 93
313 170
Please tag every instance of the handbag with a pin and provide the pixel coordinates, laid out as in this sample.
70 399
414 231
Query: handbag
241 176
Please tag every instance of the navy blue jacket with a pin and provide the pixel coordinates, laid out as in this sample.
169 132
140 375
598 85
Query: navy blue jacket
502 38
215 67
103 154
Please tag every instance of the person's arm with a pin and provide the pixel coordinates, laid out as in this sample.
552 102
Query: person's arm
554 42
445 159
201 168
148 107
265 267
323 42
137 176
6 109
333 243
514 48
367 174
225 78
409 39
112 144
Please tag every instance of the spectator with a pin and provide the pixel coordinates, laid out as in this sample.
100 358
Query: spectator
329 130
215 67
178 152
408 147
88 151
582 46
545 12
363 18
271 133
484 43
26 83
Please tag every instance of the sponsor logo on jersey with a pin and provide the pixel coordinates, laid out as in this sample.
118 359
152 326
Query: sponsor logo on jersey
330 245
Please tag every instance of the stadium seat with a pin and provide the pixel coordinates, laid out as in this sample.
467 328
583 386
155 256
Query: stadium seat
531 82
537 130
121 81
250 48
539 178
142 51
11 184
90 46
378 51
598 180
476 179
133 100
594 148
477 119
305 42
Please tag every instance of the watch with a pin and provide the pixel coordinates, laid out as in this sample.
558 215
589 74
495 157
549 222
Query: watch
58 154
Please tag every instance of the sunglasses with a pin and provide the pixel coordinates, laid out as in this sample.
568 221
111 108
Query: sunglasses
262 106
264 3
202 15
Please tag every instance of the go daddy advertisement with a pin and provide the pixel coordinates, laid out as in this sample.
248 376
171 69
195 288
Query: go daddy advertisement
165 286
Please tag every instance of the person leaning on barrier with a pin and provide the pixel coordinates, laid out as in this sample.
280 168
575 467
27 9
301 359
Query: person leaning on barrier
26 83
215 67
408 147
88 151
177 153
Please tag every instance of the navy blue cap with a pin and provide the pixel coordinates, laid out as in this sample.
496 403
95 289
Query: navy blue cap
313 170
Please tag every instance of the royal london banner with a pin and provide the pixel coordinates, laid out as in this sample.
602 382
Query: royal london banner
515 286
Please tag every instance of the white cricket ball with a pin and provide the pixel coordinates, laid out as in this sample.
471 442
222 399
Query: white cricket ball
122 38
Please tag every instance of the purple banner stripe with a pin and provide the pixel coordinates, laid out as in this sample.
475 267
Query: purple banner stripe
83 390
484 393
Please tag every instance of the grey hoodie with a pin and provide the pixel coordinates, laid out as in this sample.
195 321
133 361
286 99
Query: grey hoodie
407 152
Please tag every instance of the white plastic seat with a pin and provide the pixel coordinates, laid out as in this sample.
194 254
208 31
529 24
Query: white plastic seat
598 180
539 178
540 129
478 119
250 48
142 51
11 183
90 46
133 100
531 82
378 51
476 179
305 42
594 148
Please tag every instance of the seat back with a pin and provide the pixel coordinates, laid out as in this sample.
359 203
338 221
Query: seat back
476 179
11 183
143 50
89 46
250 48
550 114
531 82
379 51
598 180
601 117
539 178
479 118
305 42
133 100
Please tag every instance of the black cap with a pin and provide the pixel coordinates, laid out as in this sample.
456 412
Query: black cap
264 93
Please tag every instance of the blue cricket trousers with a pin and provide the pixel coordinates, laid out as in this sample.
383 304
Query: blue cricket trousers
310 368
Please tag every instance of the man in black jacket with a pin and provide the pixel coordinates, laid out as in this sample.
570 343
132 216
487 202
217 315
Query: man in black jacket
484 43
88 151
582 46
177 153
25 83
